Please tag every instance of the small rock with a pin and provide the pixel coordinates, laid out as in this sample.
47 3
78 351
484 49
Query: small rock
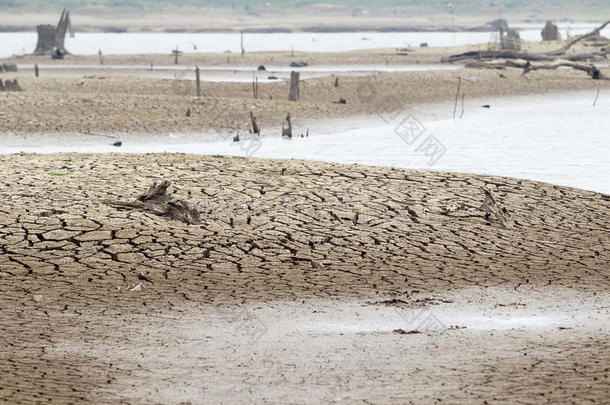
117 144
406 332
135 288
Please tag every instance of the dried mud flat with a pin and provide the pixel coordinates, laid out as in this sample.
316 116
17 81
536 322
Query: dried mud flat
101 100
302 282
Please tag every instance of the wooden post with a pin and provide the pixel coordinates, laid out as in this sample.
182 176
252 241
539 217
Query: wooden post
243 51
287 128
255 128
198 81
176 52
36 71
294 86
101 57
254 86
457 95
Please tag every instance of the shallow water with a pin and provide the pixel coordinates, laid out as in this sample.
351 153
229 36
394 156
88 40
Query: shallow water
557 139
227 73
142 43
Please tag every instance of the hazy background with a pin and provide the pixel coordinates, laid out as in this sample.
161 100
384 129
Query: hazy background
292 15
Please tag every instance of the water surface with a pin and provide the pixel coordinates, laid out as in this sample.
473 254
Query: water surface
557 139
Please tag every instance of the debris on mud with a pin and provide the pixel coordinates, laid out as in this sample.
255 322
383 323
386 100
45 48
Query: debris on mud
406 332
491 208
157 201
412 303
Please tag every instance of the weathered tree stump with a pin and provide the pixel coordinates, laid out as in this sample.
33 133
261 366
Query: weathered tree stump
52 38
511 41
294 86
550 32
10 85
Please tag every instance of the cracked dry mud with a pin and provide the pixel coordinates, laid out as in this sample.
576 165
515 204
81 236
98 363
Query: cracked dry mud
77 274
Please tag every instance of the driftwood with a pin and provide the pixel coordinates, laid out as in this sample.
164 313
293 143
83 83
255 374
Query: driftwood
546 56
579 38
156 201
482 55
527 67
51 39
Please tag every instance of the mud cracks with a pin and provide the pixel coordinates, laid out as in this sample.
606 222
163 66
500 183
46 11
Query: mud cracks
268 230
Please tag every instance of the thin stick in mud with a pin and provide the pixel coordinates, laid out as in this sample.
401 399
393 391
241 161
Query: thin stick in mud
457 95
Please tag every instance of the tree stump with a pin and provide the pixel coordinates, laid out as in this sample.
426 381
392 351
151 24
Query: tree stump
294 86
10 85
550 32
511 41
52 38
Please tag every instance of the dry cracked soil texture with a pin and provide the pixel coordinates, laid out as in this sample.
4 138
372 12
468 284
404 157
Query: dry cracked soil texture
75 267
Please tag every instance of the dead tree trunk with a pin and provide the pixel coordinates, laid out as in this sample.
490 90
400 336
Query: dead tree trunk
294 86
593 71
545 56
52 38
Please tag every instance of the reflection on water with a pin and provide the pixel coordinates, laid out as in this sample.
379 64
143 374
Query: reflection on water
560 140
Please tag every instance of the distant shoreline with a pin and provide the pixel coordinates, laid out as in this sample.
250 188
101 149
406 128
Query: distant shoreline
270 30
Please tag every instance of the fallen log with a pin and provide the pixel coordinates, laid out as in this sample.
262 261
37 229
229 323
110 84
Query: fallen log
579 38
546 56
481 55
527 67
